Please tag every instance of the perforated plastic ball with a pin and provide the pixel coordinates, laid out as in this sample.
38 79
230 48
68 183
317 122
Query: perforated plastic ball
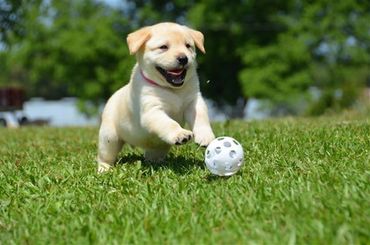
224 156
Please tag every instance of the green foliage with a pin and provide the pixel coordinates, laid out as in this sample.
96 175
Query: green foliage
11 11
304 182
274 74
277 51
323 46
77 48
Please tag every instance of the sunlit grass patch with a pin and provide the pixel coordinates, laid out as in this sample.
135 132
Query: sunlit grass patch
304 181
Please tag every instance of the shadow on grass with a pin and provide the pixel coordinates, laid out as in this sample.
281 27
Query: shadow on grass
215 178
181 165
130 158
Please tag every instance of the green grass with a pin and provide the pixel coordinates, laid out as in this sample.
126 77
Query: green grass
305 181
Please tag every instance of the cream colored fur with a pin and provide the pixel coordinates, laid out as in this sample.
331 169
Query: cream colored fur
152 116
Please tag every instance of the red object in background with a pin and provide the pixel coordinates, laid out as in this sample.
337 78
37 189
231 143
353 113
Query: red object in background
11 99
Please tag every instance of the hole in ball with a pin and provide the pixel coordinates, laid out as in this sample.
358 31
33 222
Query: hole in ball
219 139
240 162
232 154
227 144
235 142
218 150
208 154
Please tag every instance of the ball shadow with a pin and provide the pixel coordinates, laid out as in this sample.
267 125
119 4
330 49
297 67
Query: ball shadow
214 178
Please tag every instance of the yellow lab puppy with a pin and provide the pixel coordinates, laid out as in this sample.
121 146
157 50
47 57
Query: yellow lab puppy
163 94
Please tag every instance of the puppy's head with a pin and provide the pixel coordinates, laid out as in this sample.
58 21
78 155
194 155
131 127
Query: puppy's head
166 52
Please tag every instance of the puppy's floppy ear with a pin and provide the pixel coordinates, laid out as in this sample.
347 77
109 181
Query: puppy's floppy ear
137 38
198 39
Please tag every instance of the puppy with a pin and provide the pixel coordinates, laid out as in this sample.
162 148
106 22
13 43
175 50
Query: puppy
162 95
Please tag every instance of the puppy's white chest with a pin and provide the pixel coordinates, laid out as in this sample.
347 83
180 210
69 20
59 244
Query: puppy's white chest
174 108
173 104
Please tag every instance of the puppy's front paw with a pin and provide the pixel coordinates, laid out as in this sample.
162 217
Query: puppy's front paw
181 137
203 138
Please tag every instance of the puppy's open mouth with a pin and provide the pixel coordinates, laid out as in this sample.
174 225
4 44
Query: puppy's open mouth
175 77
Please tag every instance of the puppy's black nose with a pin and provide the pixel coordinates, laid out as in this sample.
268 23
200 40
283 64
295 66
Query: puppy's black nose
183 60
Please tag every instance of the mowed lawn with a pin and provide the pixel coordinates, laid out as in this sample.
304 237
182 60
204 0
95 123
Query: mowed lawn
305 181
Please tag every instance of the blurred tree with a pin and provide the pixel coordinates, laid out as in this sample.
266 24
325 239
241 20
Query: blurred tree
325 49
10 19
291 53
69 48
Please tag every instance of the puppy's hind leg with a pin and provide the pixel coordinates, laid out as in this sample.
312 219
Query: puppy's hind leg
109 146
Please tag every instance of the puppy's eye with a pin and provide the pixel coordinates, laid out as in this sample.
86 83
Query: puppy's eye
188 45
163 47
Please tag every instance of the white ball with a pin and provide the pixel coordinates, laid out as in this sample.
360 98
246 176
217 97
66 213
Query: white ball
224 156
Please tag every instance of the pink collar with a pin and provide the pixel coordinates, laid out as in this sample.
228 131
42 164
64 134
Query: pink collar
147 79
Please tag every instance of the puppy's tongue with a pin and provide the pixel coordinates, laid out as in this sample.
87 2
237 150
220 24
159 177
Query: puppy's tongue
175 72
